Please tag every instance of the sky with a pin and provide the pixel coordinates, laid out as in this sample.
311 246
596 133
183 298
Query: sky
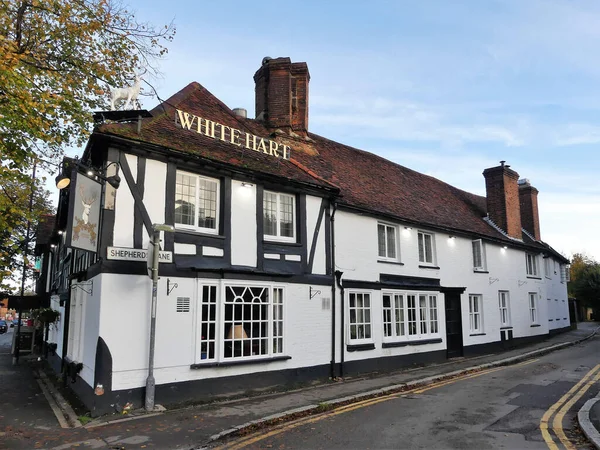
444 88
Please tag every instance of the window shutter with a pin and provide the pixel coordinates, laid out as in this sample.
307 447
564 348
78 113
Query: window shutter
183 304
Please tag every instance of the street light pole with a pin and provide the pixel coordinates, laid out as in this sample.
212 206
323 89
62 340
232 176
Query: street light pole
16 355
150 381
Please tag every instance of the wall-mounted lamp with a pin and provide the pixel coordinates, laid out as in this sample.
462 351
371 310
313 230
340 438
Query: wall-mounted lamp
451 237
246 184
505 247
62 180
408 228
60 231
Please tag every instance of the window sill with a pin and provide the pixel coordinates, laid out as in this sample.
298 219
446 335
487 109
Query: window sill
477 334
360 347
198 233
533 277
480 271
276 242
397 263
535 325
428 267
507 327
407 343
239 362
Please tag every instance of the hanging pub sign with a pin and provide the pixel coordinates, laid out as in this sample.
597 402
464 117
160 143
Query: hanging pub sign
84 213
233 136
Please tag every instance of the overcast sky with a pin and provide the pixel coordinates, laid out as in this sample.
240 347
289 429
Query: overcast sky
445 88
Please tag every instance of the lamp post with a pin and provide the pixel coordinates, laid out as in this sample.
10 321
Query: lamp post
16 355
150 382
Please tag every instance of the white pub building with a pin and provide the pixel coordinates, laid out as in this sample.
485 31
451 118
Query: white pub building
292 259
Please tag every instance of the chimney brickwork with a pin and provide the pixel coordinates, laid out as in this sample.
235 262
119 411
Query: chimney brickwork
503 202
281 89
530 219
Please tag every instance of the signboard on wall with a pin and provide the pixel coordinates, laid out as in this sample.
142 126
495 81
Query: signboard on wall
136 254
84 213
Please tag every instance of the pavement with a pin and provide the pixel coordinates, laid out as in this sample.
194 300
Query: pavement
29 405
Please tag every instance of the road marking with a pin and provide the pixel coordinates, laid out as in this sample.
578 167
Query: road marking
558 418
546 417
259 436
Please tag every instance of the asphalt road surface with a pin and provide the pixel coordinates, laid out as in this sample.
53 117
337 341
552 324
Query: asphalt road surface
532 405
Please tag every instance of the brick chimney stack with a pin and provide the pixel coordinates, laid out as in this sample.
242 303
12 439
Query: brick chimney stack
503 202
282 94
530 218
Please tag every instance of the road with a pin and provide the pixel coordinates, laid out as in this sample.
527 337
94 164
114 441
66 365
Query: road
532 405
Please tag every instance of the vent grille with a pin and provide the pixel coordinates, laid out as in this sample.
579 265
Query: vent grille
183 304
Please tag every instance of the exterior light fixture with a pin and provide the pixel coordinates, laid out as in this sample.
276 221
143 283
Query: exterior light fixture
90 173
60 231
408 228
62 181
505 247
246 184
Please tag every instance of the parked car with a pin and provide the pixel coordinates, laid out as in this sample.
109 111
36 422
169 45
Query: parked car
3 326
15 323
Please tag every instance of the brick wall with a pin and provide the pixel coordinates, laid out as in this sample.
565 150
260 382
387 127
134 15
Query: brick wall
530 219
281 89
503 202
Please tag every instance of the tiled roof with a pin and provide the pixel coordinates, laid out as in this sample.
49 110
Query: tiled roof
365 181
195 99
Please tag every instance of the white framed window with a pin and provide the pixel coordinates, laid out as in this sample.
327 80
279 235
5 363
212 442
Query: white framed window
533 310
409 315
387 239
565 273
197 202
548 267
426 247
279 216
238 321
359 312
479 262
532 265
504 305
475 313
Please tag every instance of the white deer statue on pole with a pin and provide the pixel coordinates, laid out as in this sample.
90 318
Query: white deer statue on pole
130 94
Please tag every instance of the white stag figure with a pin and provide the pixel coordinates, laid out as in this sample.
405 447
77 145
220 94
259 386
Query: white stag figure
130 94
87 204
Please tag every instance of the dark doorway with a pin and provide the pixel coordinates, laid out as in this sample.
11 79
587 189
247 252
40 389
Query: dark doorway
454 341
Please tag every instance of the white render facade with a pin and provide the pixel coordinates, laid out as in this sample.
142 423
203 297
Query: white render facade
280 269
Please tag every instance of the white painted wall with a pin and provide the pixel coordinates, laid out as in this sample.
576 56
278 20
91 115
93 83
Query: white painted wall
243 224
154 195
356 256
90 330
55 331
124 209
175 338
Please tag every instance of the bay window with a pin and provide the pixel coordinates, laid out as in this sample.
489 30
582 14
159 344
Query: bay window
243 322
409 315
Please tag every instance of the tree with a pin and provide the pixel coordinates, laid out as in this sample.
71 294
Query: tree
585 280
14 208
57 60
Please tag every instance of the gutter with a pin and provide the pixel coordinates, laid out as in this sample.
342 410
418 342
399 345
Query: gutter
338 279
333 280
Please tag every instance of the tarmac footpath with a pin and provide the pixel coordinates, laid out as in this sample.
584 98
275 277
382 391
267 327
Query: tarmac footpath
197 426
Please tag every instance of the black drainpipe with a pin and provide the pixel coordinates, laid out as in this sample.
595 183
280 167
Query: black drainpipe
67 319
338 279
333 310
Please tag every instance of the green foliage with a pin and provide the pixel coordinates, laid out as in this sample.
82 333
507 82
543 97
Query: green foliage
14 213
58 59
585 280
45 315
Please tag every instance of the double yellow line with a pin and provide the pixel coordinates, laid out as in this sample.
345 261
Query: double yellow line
561 407
261 435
